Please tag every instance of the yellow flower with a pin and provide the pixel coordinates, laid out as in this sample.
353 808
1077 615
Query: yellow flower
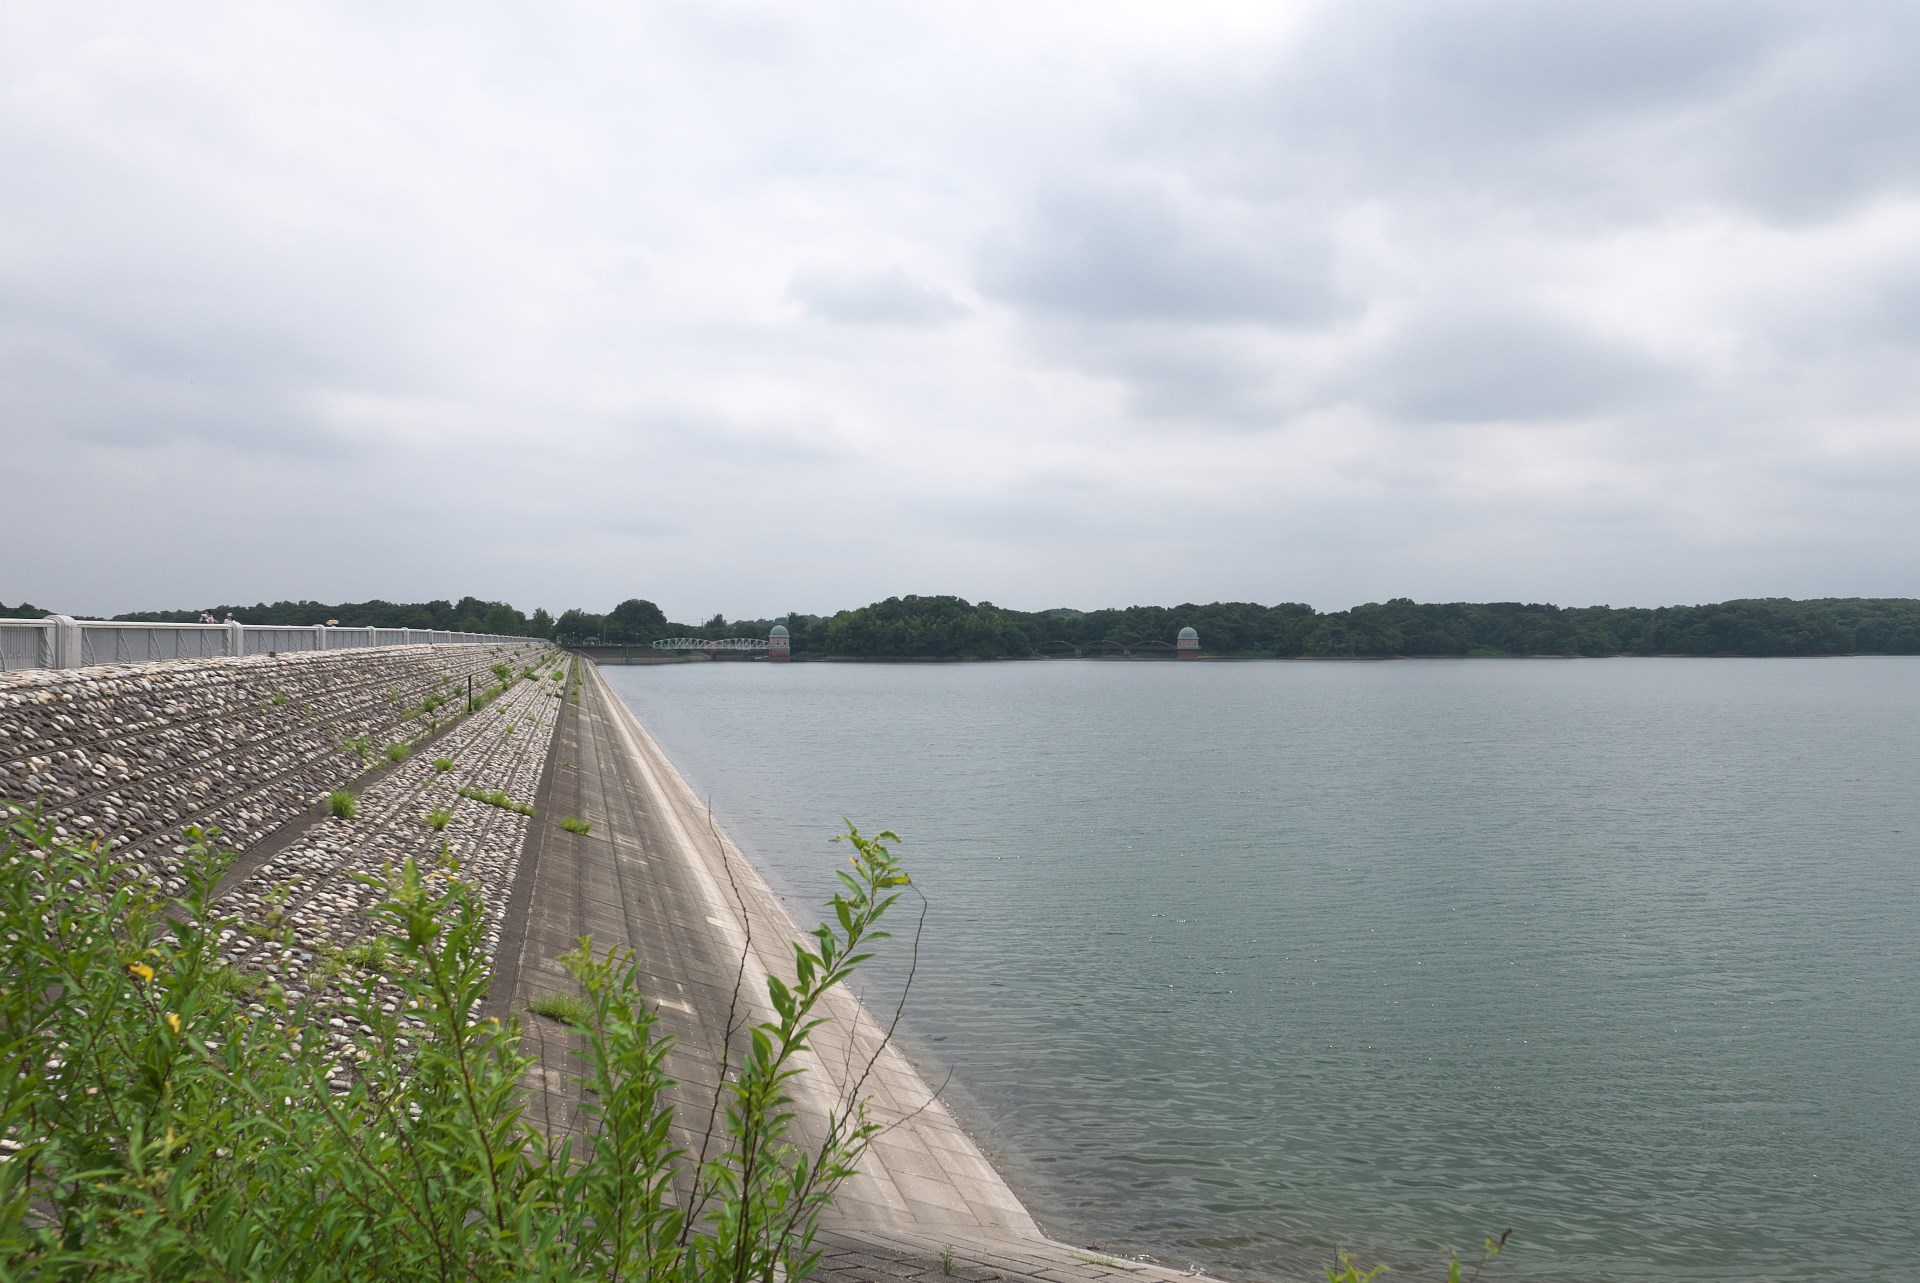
173 1022
140 971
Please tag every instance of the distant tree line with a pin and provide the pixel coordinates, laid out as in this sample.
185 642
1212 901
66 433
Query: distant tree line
952 628
949 627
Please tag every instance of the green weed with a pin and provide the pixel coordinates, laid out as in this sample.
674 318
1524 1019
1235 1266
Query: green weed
494 797
232 980
438 818
574 824
273 901
443 764
567 1008
397 752
369 955
344 805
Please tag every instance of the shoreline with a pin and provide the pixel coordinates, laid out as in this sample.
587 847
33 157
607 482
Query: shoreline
751 921
1204 658
695 912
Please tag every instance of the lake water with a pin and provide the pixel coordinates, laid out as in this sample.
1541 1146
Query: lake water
1235 962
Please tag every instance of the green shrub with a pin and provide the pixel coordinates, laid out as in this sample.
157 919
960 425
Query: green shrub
343 804
177 1134
574 824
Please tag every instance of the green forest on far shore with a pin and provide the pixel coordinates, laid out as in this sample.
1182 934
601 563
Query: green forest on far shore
952 628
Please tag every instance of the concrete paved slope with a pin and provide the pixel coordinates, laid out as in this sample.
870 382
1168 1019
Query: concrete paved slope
655 875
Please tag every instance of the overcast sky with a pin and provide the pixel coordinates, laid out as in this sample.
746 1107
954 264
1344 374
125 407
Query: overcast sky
752 307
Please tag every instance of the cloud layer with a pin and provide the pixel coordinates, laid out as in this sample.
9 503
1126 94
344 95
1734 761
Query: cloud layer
748 309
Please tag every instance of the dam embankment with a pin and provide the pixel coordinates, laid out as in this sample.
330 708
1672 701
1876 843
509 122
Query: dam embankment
253 744
132 753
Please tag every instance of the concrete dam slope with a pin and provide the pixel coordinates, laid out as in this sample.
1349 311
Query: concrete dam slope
656 876
135 752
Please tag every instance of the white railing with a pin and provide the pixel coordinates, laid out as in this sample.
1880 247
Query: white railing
25 643
61 642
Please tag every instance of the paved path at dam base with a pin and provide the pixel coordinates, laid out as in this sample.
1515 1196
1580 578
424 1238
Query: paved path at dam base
654 875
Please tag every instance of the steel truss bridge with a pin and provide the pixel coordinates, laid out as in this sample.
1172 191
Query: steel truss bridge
701 643
1096 649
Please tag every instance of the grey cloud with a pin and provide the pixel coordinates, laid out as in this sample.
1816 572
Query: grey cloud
887 297
1494 367
1603 111
183 388
1042 506
1127 250
695 434
1232 283
1505 69
1831 120
1894 314
1221 381
1171 379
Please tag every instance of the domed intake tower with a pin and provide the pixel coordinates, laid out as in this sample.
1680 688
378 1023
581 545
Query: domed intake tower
779 644
1188 646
